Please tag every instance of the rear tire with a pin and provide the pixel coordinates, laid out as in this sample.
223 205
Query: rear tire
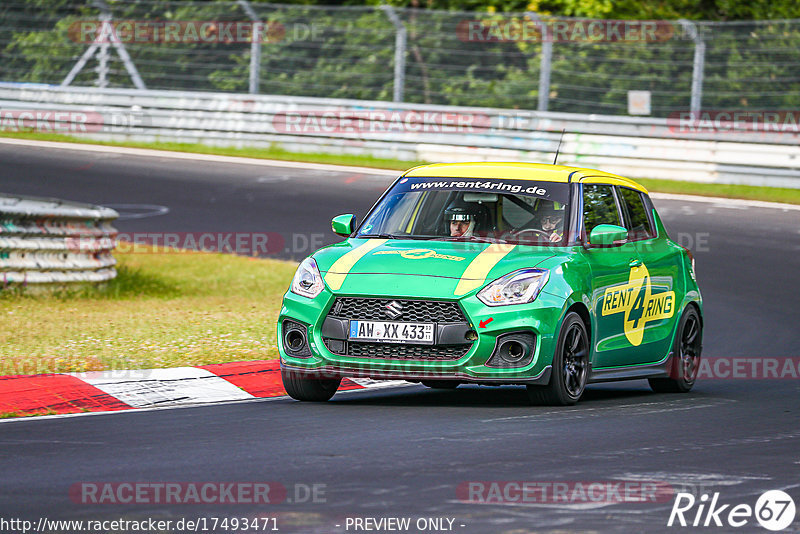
309 389
570 366
440 384
686 351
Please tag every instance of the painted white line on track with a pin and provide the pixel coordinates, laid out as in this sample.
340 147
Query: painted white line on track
12 420
685 479
560 506
726 202
146 152
633 409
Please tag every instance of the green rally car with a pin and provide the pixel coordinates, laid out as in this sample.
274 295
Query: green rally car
496 273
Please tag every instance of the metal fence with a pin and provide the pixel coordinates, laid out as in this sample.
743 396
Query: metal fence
54 242
501 60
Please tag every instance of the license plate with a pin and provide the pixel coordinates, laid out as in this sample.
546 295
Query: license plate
389 332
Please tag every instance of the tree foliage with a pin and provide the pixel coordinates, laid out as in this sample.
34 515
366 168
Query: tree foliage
348 52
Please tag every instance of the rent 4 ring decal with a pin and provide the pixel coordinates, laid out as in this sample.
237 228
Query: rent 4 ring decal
638 303
421 254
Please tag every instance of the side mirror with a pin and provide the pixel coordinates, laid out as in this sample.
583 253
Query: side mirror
343 225
607 234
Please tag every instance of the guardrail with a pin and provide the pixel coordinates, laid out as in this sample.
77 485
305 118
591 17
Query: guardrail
631 146
50 241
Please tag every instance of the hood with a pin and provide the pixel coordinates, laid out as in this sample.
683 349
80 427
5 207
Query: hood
400 267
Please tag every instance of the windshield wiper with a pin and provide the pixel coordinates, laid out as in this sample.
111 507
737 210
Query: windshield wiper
380 236
476 239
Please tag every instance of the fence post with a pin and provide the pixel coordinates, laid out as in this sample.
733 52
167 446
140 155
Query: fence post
400 44
255 47
698 66
102 58
545 63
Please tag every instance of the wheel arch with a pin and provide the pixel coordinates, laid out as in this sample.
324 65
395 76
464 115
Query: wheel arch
576 304
697 308
678 316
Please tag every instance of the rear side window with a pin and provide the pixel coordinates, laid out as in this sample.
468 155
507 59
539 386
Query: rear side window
517 216
639 226
599 206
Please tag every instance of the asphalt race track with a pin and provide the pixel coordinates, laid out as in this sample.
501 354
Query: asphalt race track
409 452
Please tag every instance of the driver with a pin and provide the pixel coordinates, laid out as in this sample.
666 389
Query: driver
461 216
552 221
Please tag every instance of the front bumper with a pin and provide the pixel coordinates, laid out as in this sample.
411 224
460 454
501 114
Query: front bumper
540 318
326 372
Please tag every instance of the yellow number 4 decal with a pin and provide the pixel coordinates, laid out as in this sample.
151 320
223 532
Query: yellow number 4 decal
639 305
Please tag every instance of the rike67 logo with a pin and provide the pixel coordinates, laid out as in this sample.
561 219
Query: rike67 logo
774 510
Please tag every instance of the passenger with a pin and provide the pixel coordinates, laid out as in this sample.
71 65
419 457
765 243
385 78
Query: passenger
552 221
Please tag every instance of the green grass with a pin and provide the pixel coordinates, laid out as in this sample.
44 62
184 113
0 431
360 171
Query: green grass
14 415
259 153
165 309
769 194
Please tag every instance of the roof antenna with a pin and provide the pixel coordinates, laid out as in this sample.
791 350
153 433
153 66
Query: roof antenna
559 145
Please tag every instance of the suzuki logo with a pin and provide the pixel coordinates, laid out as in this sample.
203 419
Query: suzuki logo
393 310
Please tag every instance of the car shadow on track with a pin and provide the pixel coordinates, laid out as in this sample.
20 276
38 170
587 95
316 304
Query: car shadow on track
477 396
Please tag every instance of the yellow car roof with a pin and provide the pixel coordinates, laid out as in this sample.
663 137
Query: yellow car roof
521 171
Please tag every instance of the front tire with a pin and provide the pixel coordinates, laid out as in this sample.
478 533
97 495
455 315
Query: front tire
687 347
309 389
570 366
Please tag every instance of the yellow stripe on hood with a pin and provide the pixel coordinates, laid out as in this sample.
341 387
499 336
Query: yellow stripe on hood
475 274
341 267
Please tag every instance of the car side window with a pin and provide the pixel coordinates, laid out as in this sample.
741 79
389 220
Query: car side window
639 223
599 206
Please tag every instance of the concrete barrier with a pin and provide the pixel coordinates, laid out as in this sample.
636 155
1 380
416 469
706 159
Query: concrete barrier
49 241
632 146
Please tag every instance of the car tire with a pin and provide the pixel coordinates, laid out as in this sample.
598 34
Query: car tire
686 349
440 384
309 389
570 366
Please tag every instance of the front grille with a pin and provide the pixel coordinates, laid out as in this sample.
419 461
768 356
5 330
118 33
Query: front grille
397 351
413 311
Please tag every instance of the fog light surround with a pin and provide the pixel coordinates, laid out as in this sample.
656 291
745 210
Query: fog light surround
295 339
513 350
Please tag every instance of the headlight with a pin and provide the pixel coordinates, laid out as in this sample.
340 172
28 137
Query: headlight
518 287
307 281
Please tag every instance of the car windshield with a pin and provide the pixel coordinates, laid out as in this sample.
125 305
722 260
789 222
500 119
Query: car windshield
471 209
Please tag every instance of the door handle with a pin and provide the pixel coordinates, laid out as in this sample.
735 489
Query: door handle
635 263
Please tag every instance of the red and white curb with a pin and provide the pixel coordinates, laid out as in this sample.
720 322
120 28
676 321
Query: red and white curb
105 391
